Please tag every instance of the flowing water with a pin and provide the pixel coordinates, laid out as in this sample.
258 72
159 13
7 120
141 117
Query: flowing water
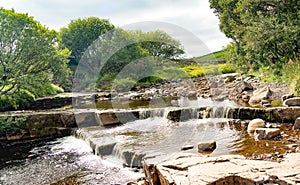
59 159
152 140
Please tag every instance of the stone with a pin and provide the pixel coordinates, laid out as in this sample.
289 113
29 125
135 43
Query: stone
292 102
87 119
266 133
228 169
254 124
245 98
259 95
207 147
245 86
297 124
287 96
192 94
187 147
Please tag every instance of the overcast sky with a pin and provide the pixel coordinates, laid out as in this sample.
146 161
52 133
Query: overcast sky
194 16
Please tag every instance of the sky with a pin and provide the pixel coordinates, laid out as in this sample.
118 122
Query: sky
193 17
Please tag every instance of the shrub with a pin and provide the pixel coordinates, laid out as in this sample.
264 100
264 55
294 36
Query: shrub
123 84
194 71
226 68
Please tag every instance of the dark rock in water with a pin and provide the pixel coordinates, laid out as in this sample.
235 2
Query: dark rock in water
207 147
266 133
297 124
292 102
187 147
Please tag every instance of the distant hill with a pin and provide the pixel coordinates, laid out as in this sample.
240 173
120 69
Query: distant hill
215 56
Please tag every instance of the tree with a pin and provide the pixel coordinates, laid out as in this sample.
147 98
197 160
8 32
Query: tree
81 33
159 44
29 57
264 33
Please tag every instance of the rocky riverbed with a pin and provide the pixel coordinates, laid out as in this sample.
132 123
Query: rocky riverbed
186 104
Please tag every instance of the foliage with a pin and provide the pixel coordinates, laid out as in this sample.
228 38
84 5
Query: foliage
11 124
159 44
29 57
263 32
194 71
124 84
226 68
81 33
291 76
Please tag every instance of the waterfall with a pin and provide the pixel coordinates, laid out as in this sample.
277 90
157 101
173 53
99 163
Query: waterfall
219 112
151 113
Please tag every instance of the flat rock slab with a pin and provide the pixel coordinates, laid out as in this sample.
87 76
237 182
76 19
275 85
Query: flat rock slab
228 169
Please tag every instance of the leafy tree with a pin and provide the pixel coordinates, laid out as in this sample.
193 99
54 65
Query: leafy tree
159 44
29 57
120 51
264 33
81 33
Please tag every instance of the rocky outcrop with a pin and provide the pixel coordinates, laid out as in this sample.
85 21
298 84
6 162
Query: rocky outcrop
254 124
259 95
30 125
291 102
229 169
274 115
266 133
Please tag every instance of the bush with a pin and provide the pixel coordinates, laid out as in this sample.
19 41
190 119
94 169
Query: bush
194 71
11 125
123 84
171 73
291 76
226 68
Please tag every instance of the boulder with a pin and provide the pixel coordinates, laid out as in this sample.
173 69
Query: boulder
259 95
297 124
243 86
291 102
207 147
266 133
254 124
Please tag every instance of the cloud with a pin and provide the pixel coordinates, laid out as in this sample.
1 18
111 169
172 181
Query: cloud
193 15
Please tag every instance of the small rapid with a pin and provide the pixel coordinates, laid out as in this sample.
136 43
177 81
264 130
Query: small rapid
62 158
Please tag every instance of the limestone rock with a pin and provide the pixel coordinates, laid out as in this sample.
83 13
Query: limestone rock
229 169
207 147
297 124
254 124
259 95
292 102
266 133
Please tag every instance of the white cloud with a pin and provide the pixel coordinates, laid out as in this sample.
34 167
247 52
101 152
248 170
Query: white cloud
193 15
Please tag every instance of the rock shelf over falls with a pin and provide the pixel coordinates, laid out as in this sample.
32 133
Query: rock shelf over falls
59 123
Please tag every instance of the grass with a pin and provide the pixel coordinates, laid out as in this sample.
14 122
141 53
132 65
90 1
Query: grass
219 55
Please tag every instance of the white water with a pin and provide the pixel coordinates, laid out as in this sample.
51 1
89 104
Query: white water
59 159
